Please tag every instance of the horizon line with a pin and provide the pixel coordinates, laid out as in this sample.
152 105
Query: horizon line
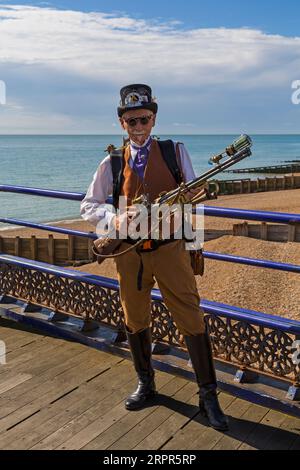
163 134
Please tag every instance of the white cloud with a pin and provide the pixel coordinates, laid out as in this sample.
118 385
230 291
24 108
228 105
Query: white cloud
63 69
117 49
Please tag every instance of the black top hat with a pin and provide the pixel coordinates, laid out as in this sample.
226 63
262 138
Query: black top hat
136 97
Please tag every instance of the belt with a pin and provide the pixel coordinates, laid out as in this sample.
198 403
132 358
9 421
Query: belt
149 245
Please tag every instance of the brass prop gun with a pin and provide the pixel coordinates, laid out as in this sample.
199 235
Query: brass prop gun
105 247
236 152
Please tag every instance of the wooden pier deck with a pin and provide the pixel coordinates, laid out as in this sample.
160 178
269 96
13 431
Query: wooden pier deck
58 394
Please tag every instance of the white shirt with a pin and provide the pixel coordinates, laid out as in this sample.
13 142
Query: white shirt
93 207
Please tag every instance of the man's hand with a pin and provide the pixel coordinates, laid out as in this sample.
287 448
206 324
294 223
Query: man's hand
122 221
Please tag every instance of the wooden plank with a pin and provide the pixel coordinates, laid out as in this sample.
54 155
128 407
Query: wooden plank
11 332
245 229
61 250
32 431
263 231
292 181
82 248
13 382
286 435
284 181
274 232
88 401
39 363
263 431
51 254
25 248
18 359
156 438
55 365
17 246
64 378
89 425
136 426
180 415
33 247
12 343
70 248
11 336
42 250
197 433
24 393
16 333
297 233
242 421
291 232
8 246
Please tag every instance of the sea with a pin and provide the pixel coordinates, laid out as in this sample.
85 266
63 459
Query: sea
68 162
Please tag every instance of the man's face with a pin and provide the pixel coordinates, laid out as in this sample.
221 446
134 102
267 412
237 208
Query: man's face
138 130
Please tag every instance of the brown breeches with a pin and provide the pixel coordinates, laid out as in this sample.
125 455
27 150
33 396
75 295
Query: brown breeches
171 267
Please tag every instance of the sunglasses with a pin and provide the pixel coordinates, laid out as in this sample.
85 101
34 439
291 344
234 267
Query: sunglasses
144 120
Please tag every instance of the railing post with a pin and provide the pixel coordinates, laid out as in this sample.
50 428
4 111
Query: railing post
291 232
70 248
51 249
91 255
264 231
33 247
17 246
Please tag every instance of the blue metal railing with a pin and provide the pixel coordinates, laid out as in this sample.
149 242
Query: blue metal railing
260 263
264 216
49 228
68 195
262 334
217 308
212 211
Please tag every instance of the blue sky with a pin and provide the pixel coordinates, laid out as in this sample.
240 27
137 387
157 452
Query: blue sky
215 66
272 16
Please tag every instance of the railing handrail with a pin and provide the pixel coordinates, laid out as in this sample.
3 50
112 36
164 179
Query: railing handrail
246 214
52 193
233 312
211 211
261 263
49 228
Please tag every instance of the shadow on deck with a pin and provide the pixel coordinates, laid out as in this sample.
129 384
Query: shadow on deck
59 394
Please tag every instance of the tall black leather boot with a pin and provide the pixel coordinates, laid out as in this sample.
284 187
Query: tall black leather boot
140 347
200 352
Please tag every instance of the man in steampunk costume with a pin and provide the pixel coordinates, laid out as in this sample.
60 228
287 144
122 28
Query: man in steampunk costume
146 169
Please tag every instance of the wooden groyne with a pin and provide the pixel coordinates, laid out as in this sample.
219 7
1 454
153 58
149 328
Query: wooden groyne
271 232
291 168
247 185
60 251
71 251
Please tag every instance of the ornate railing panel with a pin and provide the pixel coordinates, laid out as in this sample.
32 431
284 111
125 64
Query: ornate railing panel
241 337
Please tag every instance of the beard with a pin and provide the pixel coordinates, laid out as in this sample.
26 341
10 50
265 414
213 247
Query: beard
139 137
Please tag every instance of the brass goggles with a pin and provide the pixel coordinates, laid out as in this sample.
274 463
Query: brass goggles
144 120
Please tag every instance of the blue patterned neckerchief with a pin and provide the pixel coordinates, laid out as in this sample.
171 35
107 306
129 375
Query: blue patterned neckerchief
141 158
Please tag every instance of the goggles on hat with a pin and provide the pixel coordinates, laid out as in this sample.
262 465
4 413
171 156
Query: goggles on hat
144 120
